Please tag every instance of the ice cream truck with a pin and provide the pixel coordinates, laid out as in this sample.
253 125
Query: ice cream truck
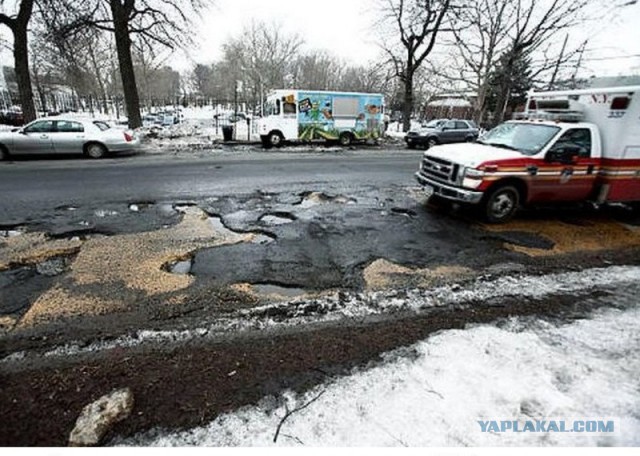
575 145
306 115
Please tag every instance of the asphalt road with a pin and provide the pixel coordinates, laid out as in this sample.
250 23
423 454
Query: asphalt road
28 187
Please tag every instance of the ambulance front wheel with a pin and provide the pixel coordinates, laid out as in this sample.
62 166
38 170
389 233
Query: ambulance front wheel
501 204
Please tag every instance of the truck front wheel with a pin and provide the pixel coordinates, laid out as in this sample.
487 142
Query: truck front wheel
275 139
501 204
345 139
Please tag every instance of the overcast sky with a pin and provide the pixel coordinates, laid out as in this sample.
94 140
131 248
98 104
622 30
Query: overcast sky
347 29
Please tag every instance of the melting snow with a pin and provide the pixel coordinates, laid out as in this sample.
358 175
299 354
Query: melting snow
434 393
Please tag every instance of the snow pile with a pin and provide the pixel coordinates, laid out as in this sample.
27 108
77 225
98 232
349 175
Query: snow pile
435 393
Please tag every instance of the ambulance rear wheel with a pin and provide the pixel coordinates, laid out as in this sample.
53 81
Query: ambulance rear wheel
501 204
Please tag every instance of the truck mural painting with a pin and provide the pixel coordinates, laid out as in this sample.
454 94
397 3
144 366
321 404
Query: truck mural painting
299 115
569 146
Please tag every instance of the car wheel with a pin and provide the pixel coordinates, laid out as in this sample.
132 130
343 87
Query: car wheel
4 154
431 142
345 139
470 139
275 139
95 150
501 204
411 146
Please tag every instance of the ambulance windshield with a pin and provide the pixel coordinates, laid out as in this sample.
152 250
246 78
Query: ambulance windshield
527 138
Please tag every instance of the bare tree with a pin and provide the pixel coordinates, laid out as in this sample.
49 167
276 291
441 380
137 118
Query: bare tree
480 37
18 24
161 22
417 24
535 25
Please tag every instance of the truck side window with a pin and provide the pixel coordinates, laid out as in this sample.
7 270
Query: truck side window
289 108
576 137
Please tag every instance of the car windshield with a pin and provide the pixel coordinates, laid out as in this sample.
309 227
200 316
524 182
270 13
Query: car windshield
524 137
434 124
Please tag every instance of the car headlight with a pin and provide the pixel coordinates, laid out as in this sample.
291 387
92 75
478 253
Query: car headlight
472 178
473 173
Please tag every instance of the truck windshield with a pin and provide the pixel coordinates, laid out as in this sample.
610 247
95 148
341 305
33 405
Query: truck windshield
272 108
524 137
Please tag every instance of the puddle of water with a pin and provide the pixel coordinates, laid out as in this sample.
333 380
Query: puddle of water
276 290
10 233
105 213
181 267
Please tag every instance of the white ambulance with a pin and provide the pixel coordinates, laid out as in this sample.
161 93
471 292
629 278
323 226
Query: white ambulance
574 145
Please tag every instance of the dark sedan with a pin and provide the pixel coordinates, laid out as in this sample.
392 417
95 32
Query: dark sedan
442 132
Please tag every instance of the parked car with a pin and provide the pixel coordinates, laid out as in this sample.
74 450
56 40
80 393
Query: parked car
442 131
13 118
93 138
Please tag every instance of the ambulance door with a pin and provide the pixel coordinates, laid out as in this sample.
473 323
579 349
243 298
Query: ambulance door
575 169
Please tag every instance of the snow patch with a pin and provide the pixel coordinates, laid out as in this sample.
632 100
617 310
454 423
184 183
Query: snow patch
435 396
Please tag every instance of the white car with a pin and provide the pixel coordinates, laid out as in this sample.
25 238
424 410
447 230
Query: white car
58 135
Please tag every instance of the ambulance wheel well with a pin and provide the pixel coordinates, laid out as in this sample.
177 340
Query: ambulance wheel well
519 184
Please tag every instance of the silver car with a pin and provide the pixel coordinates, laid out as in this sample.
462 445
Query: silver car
93 138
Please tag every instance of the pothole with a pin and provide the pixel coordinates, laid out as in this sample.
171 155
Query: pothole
277 218
181 267
66 208
404 211
53 266
263 238
524 239
140 206
310 199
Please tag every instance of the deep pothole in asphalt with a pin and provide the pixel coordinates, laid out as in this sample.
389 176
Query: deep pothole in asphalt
277 218
321 242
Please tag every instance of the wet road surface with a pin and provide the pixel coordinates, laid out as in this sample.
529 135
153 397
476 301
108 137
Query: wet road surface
321 264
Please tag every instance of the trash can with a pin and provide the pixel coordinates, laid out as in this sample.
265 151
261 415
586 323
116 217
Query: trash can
227 133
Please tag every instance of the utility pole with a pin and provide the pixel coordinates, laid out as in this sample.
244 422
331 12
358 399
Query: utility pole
575 73
560 57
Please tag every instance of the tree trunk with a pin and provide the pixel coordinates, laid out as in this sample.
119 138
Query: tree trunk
407 105
21 56
123 47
